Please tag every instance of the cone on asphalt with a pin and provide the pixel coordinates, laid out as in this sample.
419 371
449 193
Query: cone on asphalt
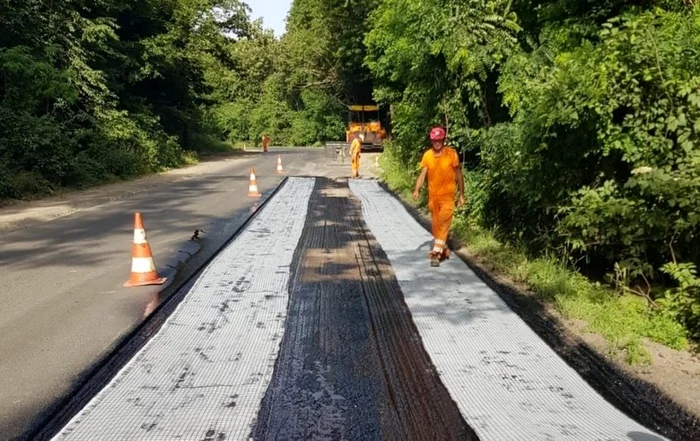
280 169
143 267
253 186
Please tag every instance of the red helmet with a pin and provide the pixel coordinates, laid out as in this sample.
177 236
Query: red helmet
437 134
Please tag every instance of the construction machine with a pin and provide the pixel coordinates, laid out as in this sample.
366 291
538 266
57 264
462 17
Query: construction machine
365 119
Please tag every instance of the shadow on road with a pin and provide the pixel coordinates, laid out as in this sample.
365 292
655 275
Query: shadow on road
164 210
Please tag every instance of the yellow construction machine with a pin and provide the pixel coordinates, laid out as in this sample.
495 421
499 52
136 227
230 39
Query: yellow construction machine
365 119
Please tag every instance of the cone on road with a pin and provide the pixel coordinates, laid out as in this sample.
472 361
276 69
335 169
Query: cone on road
280 169
253 186
143 267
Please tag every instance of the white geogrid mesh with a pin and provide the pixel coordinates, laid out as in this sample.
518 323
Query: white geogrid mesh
204 374
508 384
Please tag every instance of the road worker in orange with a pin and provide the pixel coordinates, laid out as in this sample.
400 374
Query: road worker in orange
441 166
265 142
355 150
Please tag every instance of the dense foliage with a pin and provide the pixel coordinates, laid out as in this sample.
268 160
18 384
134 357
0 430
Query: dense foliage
297 88
92 90
579 122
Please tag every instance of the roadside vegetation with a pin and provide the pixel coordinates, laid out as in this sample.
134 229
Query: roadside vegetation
93 91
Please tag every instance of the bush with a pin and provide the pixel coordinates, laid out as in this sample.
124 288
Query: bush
683 302
87 171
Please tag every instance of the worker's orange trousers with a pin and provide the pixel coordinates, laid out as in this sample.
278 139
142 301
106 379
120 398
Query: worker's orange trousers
355 167
441 210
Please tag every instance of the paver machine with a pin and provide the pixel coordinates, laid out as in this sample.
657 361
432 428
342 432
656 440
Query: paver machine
366 119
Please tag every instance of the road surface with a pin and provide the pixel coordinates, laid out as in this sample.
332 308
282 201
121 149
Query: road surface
323 320
320 320
62 303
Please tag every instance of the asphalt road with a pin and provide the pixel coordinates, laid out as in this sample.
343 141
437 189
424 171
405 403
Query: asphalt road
323 320
62 303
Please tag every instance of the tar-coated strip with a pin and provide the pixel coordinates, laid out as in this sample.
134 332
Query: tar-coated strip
351 365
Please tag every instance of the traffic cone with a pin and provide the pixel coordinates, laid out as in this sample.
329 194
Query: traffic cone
143 267
280 169
253 186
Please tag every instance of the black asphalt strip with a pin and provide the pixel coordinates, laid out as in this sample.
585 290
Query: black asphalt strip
351 364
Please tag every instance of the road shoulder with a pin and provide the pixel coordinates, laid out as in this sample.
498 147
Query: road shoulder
23 214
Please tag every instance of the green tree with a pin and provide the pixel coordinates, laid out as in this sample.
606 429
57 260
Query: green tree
93 89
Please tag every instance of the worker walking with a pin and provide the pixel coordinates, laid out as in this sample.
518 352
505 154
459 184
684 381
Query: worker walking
265 142
441 166
355 150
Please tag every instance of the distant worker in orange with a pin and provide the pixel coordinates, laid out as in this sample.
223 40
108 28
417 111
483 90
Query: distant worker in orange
265 142
441 166
355 150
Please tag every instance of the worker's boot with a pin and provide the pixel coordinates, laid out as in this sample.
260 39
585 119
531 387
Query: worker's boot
445 254
434 259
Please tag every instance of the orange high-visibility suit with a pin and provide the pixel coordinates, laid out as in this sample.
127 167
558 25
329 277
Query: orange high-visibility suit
265 142
441 193
355 150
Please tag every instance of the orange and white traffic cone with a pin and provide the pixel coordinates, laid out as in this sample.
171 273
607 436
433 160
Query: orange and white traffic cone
280 169
253 186
143 267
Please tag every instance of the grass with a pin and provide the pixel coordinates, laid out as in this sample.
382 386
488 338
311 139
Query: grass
190 158
625 321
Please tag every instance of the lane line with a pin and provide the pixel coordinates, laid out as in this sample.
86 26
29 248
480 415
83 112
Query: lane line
508 384
204 374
